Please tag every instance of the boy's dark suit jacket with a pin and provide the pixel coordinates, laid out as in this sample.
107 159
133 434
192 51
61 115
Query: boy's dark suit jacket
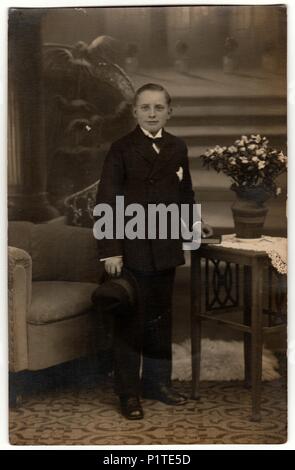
134 170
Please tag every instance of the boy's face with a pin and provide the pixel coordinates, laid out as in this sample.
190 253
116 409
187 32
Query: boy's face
152 110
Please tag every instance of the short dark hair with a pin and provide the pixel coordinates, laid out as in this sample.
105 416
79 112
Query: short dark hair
151 87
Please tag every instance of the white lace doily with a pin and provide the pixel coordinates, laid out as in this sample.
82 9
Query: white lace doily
275 247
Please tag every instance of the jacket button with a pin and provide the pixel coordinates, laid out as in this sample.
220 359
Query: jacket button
151 181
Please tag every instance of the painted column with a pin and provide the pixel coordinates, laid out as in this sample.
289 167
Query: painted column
27 197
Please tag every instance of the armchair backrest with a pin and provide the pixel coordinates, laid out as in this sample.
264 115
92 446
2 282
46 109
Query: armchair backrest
59 252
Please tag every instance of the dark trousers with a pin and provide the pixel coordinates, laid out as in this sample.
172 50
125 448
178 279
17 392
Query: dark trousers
147 333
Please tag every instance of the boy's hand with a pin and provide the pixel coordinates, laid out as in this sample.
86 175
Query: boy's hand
114 265
207 230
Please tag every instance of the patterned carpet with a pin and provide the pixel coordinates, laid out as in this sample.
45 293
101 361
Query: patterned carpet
89 415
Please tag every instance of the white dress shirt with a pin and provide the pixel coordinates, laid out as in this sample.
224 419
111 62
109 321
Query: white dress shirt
151 136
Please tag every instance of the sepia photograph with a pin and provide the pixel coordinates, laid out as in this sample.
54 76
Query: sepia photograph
147 225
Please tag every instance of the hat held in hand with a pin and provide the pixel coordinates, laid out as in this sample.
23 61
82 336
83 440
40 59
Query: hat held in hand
117 295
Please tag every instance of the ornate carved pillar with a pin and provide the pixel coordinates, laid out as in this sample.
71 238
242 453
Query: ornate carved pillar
27 197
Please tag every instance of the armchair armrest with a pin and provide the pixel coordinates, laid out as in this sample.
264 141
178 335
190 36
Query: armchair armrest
19 300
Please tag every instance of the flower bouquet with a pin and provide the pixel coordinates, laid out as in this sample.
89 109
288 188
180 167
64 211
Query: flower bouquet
253 167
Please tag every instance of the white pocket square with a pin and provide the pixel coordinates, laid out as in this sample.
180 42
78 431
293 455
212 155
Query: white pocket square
180 173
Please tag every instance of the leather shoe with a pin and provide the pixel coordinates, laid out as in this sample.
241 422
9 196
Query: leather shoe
165 394
131 407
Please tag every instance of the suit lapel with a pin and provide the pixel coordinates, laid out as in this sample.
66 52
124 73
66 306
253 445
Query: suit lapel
166 153
143 147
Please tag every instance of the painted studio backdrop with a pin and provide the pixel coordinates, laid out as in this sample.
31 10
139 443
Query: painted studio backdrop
72 77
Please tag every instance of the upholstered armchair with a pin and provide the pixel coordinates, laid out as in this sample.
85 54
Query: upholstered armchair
53 270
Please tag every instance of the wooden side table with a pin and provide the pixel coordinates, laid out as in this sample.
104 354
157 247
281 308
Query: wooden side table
253 265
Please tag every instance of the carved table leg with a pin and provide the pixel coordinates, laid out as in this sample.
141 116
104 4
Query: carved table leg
257 338
196 289
247 321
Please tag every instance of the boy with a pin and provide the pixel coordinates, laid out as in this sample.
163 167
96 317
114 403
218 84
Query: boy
147 166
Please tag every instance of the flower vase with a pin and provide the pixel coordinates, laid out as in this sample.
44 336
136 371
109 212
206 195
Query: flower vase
229 64
181 65
249 212
131 65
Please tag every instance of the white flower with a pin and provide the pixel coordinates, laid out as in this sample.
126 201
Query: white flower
255 159
232 149
244 160
232 161
208 153
244 138
180 173
252 147
257 138
281 157
218 150
278 191
260 152
242 149
261 165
